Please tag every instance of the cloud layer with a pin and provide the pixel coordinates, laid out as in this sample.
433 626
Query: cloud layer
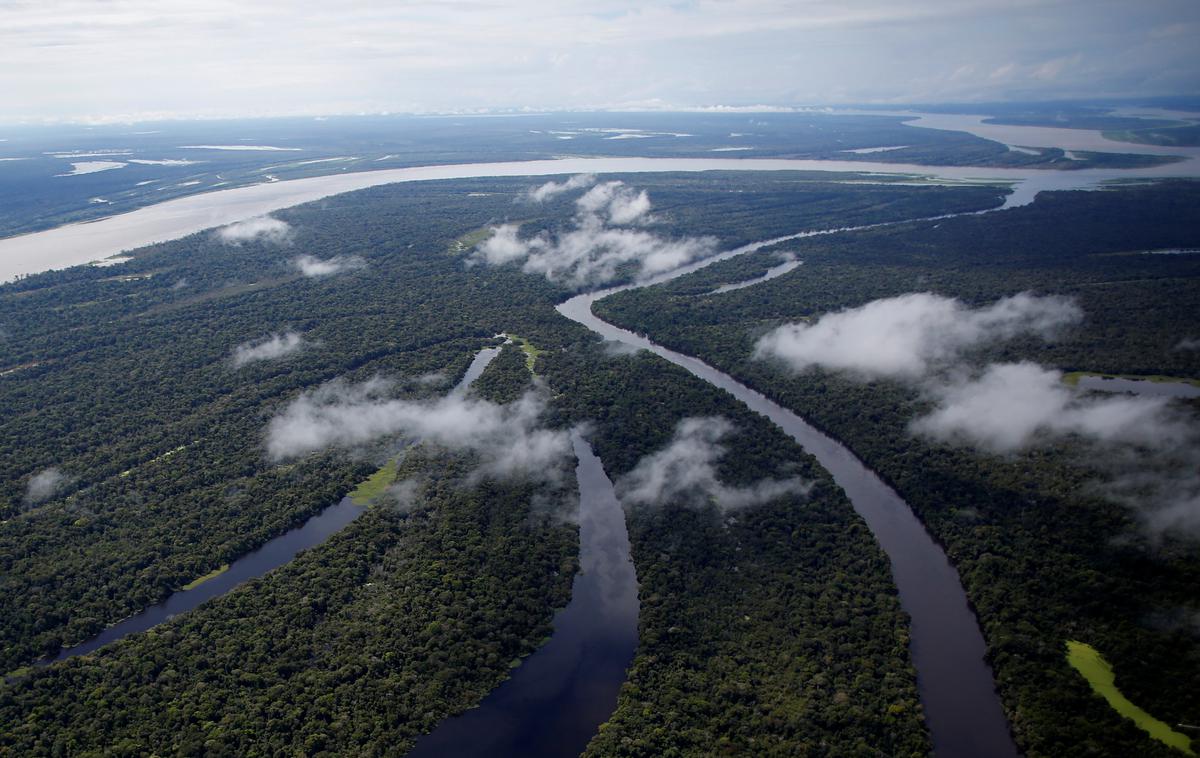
259 229
71 58
686 470
598 246
267 349
316 268
509 439
908 336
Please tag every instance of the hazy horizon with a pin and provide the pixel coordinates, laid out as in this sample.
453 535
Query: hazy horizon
133 60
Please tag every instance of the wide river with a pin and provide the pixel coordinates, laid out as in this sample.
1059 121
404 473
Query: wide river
73 244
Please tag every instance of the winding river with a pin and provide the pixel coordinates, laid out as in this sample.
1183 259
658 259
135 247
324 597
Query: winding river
958 692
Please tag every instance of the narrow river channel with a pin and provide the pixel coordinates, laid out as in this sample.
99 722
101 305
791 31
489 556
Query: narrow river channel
557 698
273 554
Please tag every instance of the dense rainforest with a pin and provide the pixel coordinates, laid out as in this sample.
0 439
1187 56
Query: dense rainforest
1045 556
134 462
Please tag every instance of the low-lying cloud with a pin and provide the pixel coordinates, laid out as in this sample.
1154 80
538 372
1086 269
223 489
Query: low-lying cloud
44 485
509 439
686 470
260 229
1011 406
552 189
623 205
316 267
598 246
907 337
1146 449
267 349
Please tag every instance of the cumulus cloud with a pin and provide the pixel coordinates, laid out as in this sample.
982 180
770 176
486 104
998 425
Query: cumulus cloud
316 267
1188 343
261 228
1015 405
552 189
908 336
503 246
508 439
686 469
44 485
597 247
267 349
622 204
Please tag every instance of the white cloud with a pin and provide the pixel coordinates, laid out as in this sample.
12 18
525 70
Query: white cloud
261 228
44 485
271 348
1011 406
622 204
908 336
316 267
551 189
594 252
508 439
1188 343
503 246
686 470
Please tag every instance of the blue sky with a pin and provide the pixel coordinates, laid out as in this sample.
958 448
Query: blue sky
137 59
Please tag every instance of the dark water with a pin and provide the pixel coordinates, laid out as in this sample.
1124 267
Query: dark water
270 556
1139 386
957 689
557 698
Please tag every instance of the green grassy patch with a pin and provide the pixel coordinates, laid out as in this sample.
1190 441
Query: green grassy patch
373 487
210 575
1072 378
469 240
1088 661
531 352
